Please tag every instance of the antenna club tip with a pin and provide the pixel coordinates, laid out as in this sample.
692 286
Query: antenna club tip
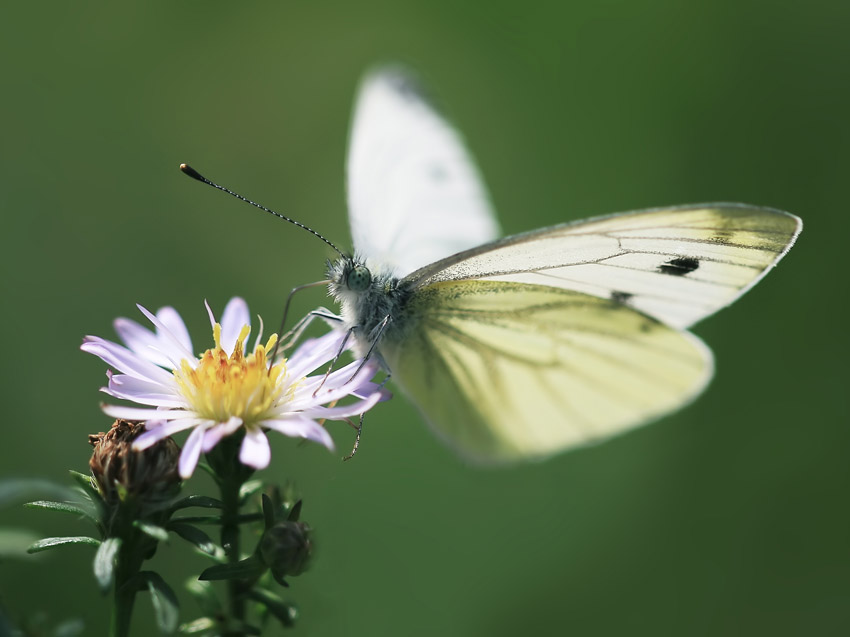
188 170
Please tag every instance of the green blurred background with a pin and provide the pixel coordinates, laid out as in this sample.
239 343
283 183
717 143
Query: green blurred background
727 518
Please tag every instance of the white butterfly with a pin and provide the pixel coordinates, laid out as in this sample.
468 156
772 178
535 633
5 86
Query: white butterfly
524 346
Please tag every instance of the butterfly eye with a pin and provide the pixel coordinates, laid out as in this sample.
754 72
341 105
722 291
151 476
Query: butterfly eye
359 278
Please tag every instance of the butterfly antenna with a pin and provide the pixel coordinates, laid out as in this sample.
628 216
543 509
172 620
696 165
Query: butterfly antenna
194 174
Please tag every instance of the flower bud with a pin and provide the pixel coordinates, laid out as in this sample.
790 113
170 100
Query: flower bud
286 548
121 471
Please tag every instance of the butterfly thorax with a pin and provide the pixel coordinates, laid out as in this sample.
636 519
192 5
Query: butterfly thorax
370 302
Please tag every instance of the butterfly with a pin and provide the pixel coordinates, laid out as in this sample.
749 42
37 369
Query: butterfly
521 347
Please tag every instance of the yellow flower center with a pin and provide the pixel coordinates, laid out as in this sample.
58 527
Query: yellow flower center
223 386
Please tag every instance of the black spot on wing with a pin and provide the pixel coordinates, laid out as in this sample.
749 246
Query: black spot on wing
620 297
680 266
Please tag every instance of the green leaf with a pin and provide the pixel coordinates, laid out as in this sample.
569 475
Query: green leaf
194 535
83 479
64 507
268 512
104 562
204 594
249 568
69 628
216 519
165 607
285 613
52 542
200 626
152 530
295 512
248 489
197 501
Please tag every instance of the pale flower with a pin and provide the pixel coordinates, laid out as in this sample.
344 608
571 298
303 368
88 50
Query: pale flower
226 390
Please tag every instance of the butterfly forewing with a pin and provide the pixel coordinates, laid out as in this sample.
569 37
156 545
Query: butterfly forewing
678 265
506 371
414 194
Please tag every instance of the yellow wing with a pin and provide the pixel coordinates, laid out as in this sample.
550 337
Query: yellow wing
509 371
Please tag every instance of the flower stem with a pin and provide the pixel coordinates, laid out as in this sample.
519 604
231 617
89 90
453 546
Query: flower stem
231 475
128 564
230 542
122 608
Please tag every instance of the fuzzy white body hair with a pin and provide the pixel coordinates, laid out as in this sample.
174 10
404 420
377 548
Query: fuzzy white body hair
364 311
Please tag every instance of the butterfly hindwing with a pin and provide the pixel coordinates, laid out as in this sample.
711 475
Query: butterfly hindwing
678 264
508 371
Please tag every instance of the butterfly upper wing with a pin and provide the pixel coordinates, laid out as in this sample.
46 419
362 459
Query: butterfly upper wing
509 371
677 265
414 194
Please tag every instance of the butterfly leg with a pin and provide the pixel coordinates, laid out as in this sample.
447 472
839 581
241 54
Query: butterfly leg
369 354
335 359
378 332
293 335
286 309
356 440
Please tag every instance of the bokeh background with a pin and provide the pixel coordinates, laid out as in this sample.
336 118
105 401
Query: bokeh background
729 517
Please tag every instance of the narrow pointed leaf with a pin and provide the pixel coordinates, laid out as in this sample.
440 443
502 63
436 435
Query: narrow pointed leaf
197 501
204 595
52 542
295 512
165 607
151 530
194 535
268 512
249 568
200 626
285 613
75 508
84 480
248 489
104 562
69 628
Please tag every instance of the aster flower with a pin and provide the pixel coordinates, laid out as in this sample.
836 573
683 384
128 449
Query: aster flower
226 390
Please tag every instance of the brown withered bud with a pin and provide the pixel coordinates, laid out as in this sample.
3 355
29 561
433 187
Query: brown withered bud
121 471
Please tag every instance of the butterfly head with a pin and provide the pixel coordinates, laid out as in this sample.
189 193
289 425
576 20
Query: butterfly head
348 276
359 278
367 295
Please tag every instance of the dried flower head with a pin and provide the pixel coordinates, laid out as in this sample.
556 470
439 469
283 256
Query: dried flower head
120 470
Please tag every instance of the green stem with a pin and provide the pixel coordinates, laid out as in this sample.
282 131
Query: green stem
231 475
128 564
122 609
230 542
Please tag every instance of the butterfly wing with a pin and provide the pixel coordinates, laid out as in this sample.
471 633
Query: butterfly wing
677 265
507 371
414 194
